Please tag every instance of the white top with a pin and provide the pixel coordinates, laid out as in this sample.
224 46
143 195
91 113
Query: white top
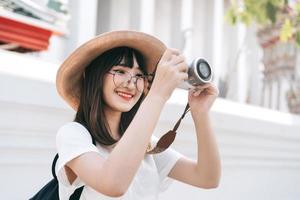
73 139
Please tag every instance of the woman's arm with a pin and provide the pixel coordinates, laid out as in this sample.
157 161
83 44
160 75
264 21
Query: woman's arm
112 176
206 171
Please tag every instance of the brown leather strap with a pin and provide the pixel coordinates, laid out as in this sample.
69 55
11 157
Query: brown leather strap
186 110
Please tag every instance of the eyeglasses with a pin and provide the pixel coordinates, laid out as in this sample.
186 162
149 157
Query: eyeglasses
167 139
122 77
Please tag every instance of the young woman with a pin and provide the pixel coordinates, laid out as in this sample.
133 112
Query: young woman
109 82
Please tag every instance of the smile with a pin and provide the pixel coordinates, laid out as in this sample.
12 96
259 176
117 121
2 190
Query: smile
125 95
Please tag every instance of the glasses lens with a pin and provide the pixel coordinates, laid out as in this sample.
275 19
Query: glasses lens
123 78
120 77
140 82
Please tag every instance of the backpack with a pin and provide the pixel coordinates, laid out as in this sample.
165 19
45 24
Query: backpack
50 190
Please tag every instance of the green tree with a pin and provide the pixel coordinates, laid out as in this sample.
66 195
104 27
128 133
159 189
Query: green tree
285 13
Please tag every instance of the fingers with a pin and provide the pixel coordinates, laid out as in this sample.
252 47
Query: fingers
209 88
168 54
182 67
176 59
184 76
201 87
173 59
198 92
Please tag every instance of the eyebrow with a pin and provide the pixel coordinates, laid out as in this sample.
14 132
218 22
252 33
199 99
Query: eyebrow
123 65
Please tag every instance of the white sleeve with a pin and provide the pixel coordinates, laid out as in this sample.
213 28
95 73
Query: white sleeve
72 140
165 161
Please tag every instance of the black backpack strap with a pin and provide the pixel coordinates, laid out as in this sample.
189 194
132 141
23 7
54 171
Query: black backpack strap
56 157
53 166
94 141
77 193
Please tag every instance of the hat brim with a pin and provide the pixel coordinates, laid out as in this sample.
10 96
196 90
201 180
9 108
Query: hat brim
70 73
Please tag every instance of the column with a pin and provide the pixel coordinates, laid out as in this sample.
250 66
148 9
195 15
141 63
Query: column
119 15
103 16
82 24
203 29
217 62
147 11
163 18
187 28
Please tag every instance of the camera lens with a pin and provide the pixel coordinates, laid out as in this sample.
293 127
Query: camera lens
203 69
199 73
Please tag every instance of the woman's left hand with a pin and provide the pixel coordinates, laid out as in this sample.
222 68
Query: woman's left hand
202 98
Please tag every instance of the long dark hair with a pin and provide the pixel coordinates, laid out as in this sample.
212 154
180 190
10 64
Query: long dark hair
90 111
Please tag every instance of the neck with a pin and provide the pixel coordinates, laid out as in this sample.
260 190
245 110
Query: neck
113 119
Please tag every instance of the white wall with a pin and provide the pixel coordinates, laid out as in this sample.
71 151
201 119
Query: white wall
260 148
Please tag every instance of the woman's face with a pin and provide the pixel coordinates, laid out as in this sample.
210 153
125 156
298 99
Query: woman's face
122 96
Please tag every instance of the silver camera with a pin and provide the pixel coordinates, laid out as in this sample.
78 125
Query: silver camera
199 73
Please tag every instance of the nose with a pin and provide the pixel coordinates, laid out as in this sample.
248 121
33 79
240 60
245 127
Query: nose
130 83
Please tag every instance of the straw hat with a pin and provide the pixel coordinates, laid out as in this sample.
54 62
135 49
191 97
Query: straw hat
70 73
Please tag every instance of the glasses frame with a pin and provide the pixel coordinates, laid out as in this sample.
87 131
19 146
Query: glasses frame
145 78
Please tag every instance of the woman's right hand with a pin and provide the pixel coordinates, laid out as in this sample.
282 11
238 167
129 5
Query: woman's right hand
170 72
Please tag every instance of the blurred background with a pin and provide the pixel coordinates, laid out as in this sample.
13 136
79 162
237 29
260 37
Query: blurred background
253 47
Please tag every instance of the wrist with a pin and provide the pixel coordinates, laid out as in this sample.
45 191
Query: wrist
156 96
201 115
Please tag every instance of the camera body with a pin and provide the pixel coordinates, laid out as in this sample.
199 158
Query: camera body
199 73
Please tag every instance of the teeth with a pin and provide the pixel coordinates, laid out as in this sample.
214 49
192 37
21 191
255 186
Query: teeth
124 95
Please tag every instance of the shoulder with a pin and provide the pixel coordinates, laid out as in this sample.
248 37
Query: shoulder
72 131
72 126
